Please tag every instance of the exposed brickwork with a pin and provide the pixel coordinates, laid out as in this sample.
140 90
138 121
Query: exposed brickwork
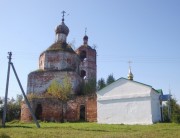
25 113
38 82
91 112
52 109
59 60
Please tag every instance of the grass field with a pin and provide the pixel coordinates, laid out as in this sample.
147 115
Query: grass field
85 130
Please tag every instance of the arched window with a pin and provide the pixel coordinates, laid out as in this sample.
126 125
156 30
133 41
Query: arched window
83 73
82 55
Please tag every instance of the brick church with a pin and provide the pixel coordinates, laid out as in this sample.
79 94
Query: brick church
55 63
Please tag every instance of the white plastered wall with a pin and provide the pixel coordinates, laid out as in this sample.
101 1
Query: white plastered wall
125 111
155 106
124 102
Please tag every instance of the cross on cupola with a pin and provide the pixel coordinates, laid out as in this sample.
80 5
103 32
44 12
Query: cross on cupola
62 30
85 39
129 63
85 30
63 12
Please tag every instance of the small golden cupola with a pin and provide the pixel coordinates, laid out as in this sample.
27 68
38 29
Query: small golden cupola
130 75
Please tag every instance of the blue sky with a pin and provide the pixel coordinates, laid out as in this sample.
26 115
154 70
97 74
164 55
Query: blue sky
145 32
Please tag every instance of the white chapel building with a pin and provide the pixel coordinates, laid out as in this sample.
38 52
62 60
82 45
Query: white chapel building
128 102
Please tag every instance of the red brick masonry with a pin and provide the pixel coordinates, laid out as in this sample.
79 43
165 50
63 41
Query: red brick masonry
50 109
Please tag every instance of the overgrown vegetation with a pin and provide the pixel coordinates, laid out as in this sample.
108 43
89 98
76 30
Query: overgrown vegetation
88 87
60 46
60 90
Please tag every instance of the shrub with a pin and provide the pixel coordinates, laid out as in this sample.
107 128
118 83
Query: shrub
176 118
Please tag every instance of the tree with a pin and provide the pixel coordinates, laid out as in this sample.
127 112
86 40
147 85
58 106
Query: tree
13 108
175 111
110 79
19 99
1 101
60 91
101 84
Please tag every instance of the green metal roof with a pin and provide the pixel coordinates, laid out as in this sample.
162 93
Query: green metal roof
159 91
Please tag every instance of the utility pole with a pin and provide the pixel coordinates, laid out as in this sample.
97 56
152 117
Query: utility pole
22 90
169 105
6 92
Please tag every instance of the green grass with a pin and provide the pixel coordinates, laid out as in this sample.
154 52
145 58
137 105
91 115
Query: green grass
83 130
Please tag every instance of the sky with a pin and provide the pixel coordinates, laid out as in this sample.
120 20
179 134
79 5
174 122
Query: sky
146 32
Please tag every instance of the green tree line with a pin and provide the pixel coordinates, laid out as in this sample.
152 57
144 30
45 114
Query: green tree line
13 108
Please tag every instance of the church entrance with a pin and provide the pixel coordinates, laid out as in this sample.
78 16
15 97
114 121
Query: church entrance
38 112
82 113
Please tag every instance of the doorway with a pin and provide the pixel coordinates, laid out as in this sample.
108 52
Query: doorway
82 113
38 112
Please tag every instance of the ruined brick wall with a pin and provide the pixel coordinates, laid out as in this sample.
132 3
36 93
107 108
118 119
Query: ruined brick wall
73 108
38 82
52 109
91 107
60 60
25 113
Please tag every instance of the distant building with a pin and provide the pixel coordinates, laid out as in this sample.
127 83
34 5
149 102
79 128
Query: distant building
128 102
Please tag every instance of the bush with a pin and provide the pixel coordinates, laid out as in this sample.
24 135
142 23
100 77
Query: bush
176 118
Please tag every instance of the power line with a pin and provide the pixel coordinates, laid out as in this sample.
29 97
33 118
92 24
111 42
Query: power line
34 57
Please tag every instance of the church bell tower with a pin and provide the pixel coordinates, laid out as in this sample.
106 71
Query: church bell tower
87 56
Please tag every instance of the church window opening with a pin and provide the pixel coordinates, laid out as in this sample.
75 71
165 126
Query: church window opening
38 112
83 74
82 113
83 55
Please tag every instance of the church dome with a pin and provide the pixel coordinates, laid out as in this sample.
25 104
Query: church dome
85 37
62 28
130 75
